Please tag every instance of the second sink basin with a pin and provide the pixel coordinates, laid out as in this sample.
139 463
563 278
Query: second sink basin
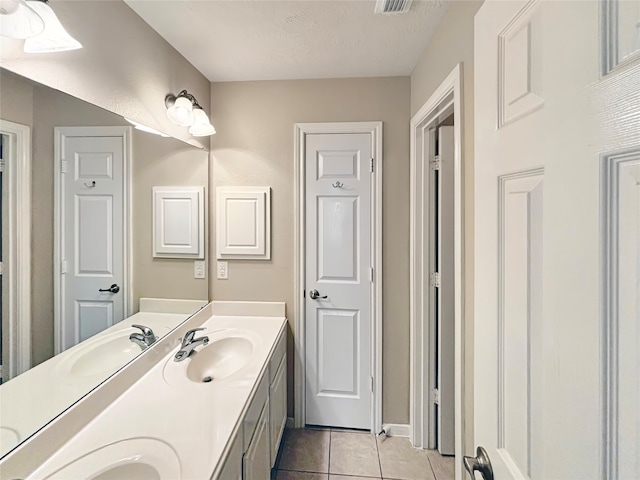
105 354
133 458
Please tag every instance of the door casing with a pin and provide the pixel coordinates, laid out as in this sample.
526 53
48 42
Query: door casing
300 132
58 227
17 266
446 99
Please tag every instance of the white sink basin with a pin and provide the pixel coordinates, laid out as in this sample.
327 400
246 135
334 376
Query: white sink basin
226 354
220 359
106 354
134 458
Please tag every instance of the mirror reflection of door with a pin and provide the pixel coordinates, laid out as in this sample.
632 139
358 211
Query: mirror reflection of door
92 212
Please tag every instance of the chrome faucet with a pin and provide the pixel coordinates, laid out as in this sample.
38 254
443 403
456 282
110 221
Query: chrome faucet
144 339
189 343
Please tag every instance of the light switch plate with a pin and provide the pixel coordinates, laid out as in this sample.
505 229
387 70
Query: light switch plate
223 270
199 270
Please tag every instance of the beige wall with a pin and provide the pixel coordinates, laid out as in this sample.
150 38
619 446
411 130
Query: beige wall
124 67
156 161
161 161
254 146
452 44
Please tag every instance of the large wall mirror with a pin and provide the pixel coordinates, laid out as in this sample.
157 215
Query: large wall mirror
91 252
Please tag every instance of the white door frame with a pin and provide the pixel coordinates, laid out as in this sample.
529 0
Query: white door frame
448 95
58 228
17 266
300 131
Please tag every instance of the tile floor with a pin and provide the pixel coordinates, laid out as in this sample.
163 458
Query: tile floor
331 454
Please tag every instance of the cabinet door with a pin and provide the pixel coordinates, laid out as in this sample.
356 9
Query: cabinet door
257 458
278 408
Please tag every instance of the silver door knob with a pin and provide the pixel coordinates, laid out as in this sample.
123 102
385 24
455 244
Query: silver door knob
481 463
314 294
112 289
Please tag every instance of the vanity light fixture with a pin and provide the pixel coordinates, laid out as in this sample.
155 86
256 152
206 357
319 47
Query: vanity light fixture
184 110
36 22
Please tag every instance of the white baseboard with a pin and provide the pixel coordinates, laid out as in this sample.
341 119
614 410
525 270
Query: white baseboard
396 429
289 423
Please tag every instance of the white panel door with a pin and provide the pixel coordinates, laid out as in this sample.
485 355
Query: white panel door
92 222
338 261
556 382
446 299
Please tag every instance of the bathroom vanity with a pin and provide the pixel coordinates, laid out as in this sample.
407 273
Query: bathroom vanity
219 413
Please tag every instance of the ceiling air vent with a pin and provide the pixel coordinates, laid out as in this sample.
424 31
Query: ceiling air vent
393 6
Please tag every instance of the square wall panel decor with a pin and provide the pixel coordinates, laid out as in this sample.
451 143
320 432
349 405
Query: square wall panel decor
178 222
243 223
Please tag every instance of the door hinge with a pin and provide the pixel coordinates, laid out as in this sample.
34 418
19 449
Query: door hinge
436 163
435 279
372 164
435 396
371 274
63 166
372 384
1 268
63 267
2 164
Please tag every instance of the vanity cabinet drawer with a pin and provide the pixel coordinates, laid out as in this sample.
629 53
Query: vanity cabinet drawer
253 413
257 461
278 354
232 469
278 408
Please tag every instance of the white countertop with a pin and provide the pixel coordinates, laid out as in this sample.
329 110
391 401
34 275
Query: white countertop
196 420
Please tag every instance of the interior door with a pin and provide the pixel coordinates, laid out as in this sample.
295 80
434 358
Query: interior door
445 310
93 225
553 131
338 280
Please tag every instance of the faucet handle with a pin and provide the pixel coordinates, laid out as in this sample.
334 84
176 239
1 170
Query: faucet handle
189 336
146 331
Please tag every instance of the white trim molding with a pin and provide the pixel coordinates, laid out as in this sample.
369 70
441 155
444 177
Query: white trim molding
300 132
447 98
58 192
18 255
609 39
620 174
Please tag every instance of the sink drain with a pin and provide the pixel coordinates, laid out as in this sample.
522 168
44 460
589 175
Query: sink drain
207 379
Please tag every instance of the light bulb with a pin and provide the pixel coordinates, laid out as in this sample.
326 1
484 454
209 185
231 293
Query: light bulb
181 112
201 126
54 38
19 20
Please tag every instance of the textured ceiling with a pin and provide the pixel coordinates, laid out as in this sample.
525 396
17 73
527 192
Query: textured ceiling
231 40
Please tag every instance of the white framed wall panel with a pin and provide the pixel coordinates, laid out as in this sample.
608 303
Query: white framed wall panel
243 223
178 222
